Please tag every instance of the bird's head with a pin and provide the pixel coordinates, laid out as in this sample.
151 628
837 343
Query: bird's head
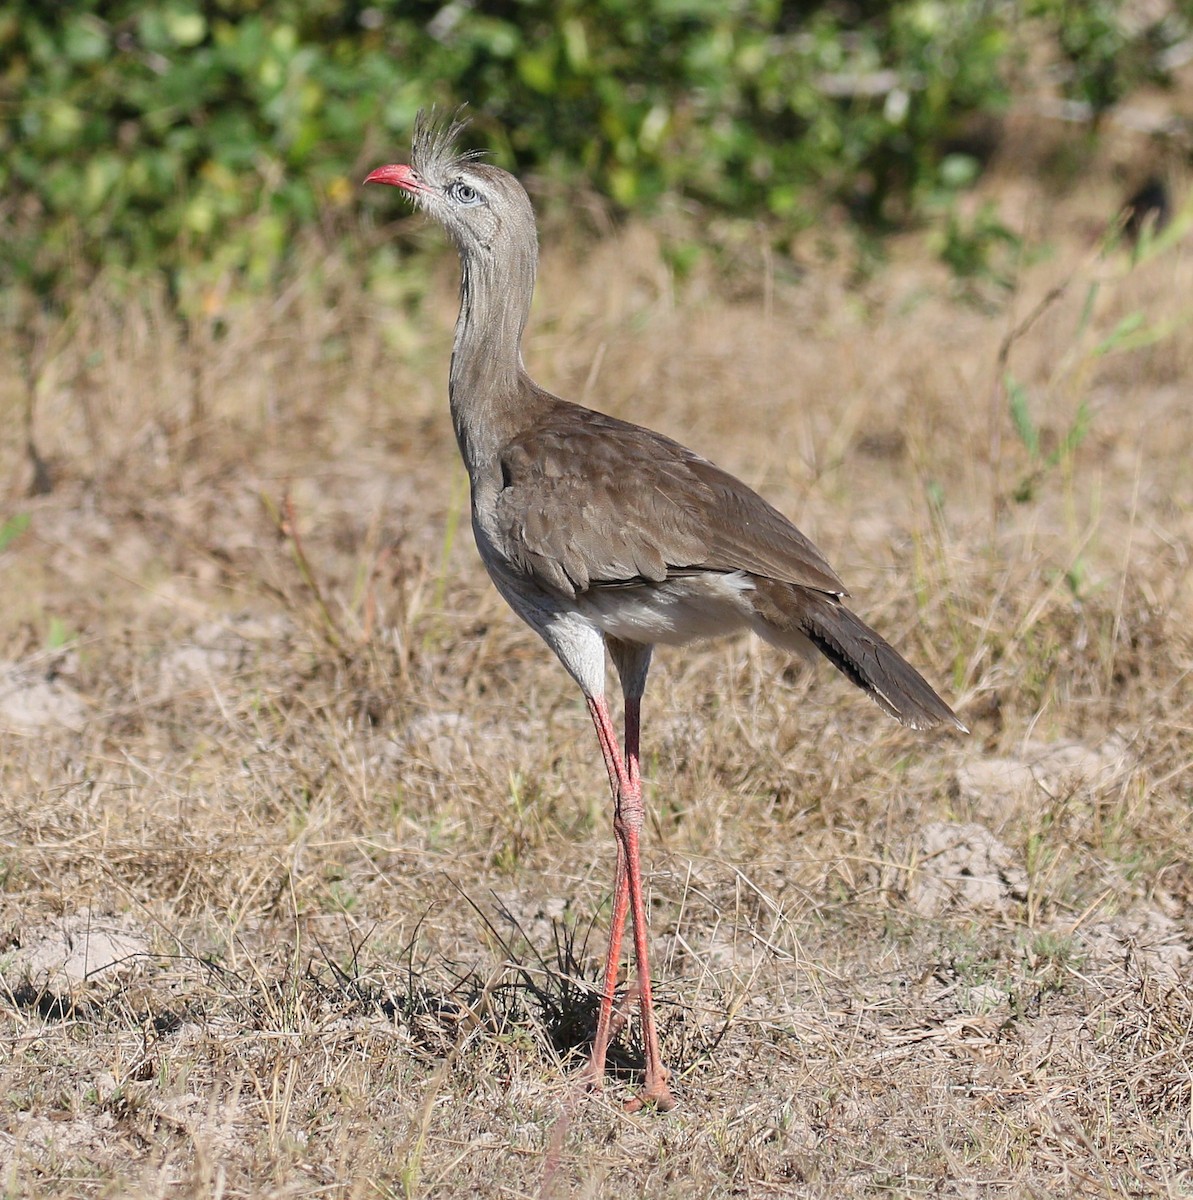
479 205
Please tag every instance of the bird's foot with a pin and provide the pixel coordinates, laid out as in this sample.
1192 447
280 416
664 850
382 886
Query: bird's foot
656 1094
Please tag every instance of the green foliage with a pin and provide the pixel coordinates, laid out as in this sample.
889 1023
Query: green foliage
738 104
1106 49
198 137
194 138
975 248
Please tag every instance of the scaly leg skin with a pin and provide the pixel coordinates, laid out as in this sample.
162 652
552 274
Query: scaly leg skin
629 813
656 1091
594 1073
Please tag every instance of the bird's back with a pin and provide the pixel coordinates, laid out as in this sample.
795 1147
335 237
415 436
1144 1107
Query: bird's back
588 501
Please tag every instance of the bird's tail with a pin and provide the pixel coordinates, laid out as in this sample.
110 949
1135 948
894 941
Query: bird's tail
795 618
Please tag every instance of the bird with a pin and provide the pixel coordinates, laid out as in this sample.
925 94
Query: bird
608 539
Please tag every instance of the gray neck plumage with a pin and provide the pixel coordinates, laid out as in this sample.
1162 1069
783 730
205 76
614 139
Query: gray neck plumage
492 397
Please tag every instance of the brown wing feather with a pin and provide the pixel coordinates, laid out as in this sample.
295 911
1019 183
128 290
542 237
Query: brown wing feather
588 500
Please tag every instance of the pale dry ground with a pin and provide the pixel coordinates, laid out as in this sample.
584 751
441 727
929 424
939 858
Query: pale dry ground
340 825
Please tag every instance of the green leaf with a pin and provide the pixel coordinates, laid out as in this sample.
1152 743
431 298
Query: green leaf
12 529
1121 334
59 634
1025 427
1074 436
958 171
1087 309
536 68
85 40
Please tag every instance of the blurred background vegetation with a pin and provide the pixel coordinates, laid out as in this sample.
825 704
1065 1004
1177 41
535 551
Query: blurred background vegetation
200 141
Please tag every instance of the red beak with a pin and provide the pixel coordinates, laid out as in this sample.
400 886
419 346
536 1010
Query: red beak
397 175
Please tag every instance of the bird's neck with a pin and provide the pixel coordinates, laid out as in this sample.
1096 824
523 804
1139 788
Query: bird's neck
492 397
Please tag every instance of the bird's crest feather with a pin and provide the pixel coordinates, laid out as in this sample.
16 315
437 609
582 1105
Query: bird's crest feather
433 150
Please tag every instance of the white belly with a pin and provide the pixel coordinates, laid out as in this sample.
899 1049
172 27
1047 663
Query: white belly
670 613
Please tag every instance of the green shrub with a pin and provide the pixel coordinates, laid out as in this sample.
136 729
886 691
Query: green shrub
198 137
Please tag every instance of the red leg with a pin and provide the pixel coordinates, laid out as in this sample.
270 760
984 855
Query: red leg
628 821
595 1072
600 1043
626 784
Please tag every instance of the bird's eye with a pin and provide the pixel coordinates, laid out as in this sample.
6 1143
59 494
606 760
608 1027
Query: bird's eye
464 193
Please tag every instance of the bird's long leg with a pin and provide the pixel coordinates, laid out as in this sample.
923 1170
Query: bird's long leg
618 779
627 822
626 782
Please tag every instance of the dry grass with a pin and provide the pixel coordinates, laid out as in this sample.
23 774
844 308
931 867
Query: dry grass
275 746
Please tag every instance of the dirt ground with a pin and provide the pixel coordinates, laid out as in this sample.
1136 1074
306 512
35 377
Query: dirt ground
304 839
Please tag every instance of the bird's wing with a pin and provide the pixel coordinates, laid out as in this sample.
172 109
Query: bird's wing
591 501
